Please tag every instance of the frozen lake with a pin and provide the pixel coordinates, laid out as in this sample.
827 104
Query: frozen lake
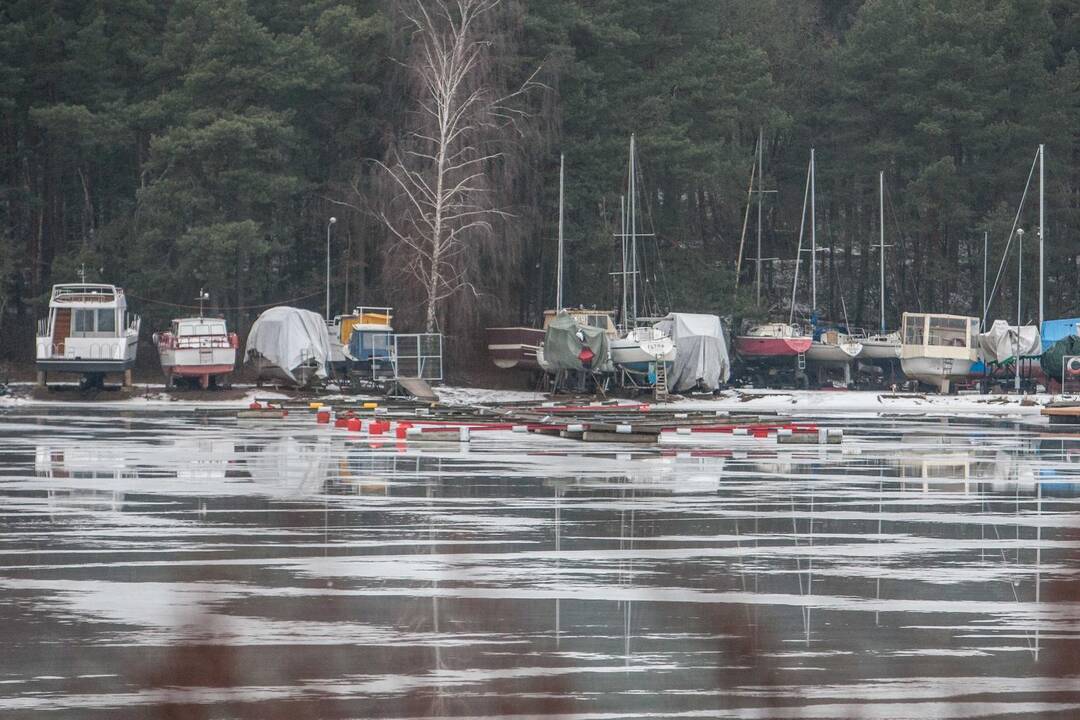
162 564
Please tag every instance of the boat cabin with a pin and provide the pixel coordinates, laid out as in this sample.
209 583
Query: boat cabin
936 332
603 319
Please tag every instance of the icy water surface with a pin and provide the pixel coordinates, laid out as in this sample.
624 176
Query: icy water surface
167 565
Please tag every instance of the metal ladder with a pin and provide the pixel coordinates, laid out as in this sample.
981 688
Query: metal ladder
661 387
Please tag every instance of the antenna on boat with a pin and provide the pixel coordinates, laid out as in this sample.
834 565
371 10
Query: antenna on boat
82 273
203 296
559 272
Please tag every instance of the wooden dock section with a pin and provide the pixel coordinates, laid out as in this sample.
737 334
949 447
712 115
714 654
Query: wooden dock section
1063 413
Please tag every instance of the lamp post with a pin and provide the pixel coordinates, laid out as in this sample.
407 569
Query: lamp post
328 226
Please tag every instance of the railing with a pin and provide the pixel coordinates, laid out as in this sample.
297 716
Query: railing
196 342
418 356
83 351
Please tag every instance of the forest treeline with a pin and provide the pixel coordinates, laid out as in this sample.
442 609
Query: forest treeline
173 145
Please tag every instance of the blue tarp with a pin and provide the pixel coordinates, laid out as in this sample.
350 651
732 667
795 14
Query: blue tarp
1054 330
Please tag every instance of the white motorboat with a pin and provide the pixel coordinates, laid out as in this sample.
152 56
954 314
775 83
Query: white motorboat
199 348
938 349
88 332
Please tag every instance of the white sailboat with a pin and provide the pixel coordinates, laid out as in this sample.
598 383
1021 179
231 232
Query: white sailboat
883 345
641 347
833 346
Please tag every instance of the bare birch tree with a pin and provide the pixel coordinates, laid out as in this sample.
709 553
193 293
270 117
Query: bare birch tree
439 170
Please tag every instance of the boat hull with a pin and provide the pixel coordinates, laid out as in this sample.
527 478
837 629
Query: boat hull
879 351
514 347
639 356
936 371
748 346
833 354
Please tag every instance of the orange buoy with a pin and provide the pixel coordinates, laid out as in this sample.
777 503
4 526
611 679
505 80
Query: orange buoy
403 429
341 422
322 417
354 424
255 406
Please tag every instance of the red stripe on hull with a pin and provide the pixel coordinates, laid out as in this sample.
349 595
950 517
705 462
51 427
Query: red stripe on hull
749 346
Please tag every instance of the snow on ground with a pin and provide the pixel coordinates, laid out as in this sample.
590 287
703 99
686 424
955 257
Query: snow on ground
865 403
783 402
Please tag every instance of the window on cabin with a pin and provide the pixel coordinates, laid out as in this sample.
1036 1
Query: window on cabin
913 330
84 321
948 332
106 320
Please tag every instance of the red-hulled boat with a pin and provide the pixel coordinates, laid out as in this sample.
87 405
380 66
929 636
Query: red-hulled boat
514 347
777 340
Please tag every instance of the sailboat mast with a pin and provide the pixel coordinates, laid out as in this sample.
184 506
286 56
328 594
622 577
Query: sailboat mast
813 240
1042 230
622 235
757 260
559 276
881 259
633 233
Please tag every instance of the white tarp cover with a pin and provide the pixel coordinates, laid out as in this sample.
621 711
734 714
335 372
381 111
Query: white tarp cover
288 337
701 356
1000 341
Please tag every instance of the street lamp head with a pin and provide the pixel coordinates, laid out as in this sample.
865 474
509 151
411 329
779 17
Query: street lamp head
1020 232
333 220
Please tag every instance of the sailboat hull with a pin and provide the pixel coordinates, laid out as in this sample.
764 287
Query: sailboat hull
833 353
770 347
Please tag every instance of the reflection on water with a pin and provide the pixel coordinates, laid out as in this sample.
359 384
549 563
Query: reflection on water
166 567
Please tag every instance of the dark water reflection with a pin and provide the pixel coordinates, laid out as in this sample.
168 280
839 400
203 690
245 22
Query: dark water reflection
164 566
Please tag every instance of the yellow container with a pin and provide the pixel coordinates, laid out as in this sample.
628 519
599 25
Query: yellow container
370 405
314 405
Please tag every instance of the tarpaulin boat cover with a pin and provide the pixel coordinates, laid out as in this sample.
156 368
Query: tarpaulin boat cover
1052 359
288 337
565 339
1054 330
999 343
701 355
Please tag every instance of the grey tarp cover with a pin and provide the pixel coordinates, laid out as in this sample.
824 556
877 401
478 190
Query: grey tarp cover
564 340
288 337
701 355
999 343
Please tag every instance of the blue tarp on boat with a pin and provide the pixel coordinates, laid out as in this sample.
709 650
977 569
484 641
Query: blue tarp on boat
1054 330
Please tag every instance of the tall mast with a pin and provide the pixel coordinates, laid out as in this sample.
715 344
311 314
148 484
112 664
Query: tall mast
881 218
622 236
1042 230
986 253
633 232
559 272
813 241
757 261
